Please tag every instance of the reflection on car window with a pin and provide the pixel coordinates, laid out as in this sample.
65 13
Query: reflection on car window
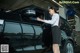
11 27
27 29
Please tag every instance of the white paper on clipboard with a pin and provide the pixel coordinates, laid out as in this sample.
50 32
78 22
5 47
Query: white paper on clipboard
1 21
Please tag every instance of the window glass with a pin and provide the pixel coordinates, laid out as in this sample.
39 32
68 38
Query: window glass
11 27
38 30
1 28
1 25
32 17
28 31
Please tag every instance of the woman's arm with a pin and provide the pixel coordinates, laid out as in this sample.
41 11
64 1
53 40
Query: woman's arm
52 21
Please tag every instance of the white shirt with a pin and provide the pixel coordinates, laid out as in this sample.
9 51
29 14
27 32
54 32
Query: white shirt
54 21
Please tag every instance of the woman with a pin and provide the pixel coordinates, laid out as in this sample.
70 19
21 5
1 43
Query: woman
56 34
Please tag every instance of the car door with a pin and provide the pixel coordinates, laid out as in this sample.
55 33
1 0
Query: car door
13 32
1 30
38 36
28 37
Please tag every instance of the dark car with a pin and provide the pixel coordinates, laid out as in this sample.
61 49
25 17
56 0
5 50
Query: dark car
21 31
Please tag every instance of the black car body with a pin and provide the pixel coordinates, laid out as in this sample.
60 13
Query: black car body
23 34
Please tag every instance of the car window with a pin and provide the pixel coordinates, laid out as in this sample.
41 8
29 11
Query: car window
1 28
31 17
11 27
1 25
38 31
28 31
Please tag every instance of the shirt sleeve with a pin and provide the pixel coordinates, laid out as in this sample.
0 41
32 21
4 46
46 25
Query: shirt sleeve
53 20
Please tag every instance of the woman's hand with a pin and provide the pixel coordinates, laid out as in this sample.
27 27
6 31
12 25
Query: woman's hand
39 19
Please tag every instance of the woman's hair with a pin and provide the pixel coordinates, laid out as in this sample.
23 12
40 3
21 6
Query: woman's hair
55 8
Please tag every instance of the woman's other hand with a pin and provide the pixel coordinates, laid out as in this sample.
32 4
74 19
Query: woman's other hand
39 19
